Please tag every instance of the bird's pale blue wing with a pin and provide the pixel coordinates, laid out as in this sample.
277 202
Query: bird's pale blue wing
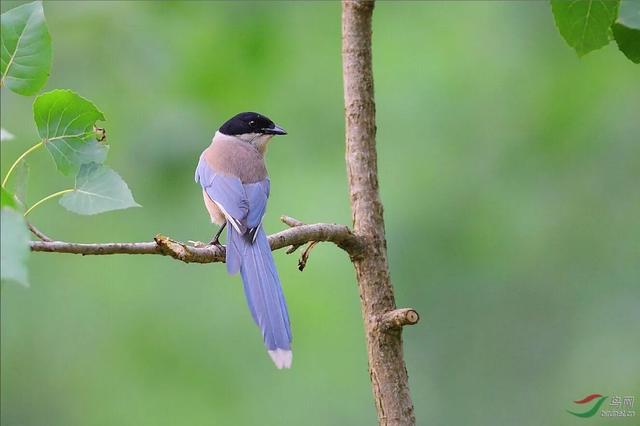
227 191
257 195
237 248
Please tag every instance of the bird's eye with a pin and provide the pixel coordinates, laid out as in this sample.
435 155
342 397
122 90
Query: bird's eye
252 123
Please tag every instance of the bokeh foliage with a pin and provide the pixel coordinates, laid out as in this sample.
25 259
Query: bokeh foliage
509 171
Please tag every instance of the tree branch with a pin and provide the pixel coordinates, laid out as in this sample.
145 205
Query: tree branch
389 380
299 234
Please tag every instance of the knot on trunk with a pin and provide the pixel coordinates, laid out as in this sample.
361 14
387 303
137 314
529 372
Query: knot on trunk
398 318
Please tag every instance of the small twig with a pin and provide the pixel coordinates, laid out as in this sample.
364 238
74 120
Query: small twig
305 255
398 318
35 231
287 220
302 262
292 249
292 222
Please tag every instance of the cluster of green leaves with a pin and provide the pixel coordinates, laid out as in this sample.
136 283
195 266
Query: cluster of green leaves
588 25
66 124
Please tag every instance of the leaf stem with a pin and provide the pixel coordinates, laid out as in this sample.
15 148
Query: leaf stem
48 197
24 154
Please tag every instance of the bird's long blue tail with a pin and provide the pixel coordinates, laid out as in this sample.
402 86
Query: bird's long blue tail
263 291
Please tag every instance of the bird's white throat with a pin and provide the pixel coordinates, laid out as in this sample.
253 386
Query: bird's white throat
258 140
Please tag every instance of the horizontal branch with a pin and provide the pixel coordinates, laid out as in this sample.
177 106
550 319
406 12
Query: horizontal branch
299 234
398 318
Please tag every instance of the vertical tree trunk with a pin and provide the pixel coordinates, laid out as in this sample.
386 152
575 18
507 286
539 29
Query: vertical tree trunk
384 343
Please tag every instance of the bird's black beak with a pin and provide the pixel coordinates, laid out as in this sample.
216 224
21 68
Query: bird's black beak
275 130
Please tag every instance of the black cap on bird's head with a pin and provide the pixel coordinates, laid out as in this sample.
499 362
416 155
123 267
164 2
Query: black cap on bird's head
250 122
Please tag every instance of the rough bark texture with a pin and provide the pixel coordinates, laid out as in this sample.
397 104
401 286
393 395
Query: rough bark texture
384 343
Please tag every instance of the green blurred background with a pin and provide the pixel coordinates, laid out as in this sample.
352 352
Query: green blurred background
510 174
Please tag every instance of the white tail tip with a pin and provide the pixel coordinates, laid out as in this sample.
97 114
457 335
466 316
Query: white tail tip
281 358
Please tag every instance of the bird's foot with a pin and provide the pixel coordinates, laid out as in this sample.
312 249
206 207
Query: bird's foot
215 242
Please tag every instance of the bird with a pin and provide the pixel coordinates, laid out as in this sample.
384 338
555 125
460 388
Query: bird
235 188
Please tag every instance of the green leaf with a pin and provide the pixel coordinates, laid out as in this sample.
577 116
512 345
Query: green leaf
626 30
66 123
628 41
98 189
14 246
5 135
585 24
7 199
25 57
